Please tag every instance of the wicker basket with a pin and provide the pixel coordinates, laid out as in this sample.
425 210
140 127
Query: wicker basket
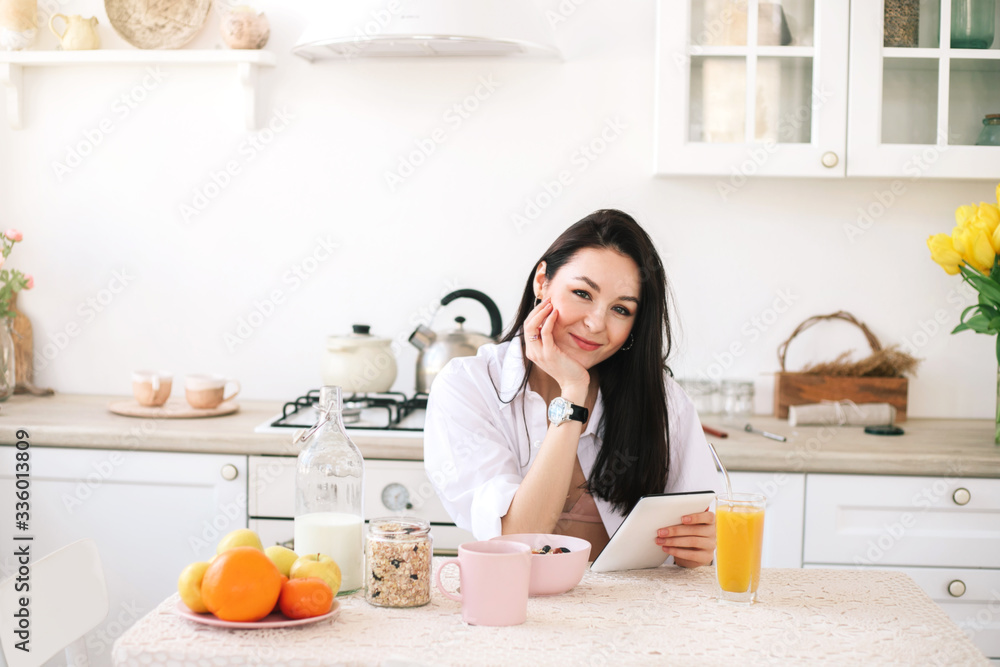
805 388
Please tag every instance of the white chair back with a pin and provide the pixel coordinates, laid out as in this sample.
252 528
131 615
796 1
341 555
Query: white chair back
67 598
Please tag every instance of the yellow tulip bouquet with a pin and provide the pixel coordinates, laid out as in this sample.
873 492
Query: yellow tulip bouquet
973 250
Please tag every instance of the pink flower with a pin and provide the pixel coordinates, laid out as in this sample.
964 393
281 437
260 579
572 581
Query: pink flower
30 281
2 260
13 235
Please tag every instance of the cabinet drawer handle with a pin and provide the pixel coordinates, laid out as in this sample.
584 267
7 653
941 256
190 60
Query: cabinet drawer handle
830 159
229 472
961 496
956 588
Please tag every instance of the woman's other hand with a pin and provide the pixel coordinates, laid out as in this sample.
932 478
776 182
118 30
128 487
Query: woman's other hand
692 543
541 348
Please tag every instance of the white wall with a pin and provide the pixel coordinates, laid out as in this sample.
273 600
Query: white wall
448 225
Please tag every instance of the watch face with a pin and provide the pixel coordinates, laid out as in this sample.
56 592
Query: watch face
559 410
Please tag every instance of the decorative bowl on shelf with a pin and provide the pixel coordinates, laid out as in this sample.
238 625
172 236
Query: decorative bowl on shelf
157 24
243 27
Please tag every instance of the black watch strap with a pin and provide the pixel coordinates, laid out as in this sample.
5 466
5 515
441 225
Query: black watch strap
578 413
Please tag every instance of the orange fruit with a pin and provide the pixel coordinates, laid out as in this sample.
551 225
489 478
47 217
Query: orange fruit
242 584
305 598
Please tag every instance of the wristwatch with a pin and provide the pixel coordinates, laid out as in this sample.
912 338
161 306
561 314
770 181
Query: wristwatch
562 411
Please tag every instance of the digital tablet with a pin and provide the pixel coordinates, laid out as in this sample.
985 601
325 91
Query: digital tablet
633 546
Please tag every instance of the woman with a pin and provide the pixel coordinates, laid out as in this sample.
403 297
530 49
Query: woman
573 416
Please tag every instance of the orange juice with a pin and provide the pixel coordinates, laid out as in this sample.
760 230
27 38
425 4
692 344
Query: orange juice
739 525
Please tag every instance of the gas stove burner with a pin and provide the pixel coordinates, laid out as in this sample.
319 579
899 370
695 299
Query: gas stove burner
391 411
351 411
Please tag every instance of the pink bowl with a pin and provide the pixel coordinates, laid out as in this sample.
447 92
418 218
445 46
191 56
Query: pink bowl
552 574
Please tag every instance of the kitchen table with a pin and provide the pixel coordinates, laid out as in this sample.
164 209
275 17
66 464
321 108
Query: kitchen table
645 617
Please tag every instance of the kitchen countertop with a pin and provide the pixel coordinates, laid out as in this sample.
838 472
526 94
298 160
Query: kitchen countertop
950 447
639 617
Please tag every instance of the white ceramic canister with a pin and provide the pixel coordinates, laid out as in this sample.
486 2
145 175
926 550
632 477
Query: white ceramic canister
359 362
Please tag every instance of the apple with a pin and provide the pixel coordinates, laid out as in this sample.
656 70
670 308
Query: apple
282 557
317 565
242 537
189 586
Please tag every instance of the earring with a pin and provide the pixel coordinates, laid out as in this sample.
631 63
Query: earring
628 344
538 300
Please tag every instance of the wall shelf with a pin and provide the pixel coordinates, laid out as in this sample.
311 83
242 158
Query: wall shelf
247 63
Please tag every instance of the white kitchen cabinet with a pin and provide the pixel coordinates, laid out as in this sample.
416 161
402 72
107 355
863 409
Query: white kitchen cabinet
944 532
150 513
917 112
735 100
902 521
785 493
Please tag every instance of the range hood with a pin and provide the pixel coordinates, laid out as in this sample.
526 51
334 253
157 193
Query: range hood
344 29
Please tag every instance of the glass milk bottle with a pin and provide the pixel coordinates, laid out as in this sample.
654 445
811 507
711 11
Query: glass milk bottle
329 482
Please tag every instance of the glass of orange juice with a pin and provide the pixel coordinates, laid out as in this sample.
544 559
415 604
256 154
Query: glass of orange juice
739 532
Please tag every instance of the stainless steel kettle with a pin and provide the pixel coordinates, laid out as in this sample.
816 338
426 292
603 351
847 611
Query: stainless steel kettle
437 349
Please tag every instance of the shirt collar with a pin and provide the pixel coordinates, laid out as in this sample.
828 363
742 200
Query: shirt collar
512 375
511 370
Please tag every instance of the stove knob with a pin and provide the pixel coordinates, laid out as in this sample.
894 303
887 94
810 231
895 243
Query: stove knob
396 498
229 472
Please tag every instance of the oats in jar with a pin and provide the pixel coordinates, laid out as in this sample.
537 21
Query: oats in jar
398 562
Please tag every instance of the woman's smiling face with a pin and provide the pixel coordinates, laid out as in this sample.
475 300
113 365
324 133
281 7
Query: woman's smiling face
596 294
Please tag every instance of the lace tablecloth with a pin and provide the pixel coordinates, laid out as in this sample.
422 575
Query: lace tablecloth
666 615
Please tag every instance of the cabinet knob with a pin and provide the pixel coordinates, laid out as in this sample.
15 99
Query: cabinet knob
956 588
830 159
961 496
229 472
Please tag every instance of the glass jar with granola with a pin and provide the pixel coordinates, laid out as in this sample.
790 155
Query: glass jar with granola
398 562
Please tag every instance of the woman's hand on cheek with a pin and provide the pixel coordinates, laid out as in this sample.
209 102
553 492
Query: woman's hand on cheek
542 349
692 543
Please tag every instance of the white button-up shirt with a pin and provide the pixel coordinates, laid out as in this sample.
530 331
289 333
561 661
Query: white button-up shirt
478 448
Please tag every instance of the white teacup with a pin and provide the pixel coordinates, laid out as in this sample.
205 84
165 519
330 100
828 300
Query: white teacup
205 392
152 388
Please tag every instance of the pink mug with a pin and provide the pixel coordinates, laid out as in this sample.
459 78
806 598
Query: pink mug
494 578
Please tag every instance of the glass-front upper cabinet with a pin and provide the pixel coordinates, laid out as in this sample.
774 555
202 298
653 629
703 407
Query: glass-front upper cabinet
924 89
752 87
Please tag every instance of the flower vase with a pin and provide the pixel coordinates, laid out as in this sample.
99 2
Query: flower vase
8 377
996 423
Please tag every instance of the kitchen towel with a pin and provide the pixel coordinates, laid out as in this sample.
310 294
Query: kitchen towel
841 413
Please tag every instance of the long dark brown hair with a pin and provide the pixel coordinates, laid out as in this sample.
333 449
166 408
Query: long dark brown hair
634 454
